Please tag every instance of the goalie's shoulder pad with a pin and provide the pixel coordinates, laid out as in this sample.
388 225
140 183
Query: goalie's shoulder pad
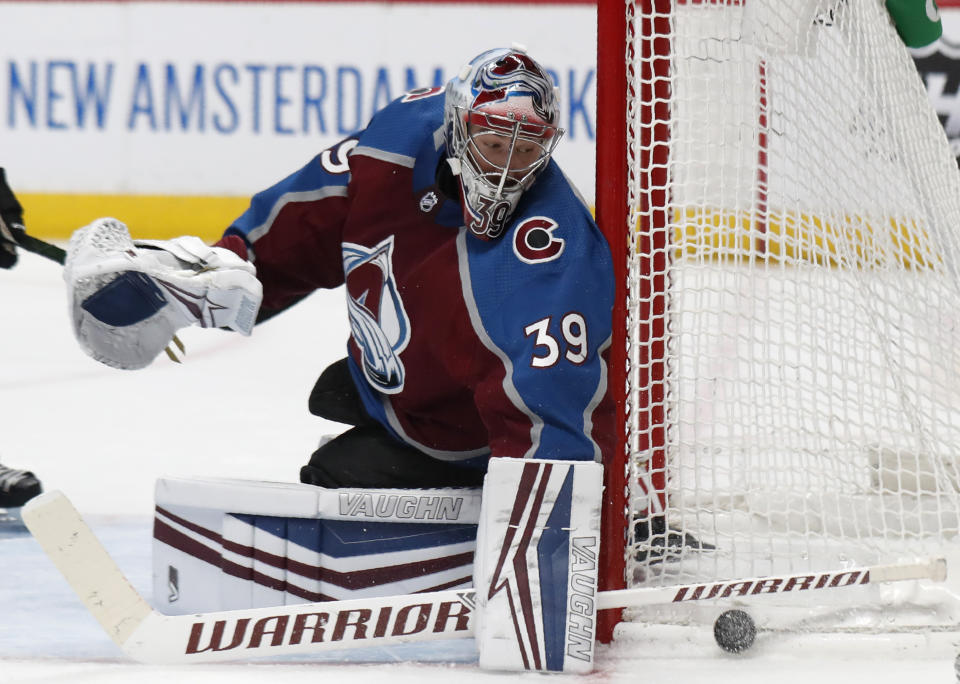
128 301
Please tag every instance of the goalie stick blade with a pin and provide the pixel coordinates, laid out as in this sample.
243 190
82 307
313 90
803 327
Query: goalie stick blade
85 564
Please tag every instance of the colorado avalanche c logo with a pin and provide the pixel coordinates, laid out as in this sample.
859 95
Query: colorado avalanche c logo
378 321
534 240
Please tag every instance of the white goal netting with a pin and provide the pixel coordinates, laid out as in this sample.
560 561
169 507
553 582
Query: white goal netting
794 307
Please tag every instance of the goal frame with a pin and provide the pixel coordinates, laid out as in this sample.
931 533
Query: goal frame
614 158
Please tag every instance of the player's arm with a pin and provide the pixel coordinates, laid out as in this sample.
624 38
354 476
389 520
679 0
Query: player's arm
128 298
550 336
292 231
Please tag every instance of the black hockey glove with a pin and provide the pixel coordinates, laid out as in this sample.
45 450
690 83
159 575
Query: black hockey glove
11 229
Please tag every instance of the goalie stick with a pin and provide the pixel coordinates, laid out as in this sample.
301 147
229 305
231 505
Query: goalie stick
151 637
32 244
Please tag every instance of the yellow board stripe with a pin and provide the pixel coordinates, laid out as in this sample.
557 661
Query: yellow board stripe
160 217
835 240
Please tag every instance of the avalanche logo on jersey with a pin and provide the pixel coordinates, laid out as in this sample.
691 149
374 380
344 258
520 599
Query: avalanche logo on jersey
534 240
378 322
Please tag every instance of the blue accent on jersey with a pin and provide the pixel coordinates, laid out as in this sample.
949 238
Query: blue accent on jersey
405 128
511 295
308 179
425 116
553 555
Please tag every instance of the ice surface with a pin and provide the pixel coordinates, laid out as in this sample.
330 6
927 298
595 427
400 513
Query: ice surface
237 408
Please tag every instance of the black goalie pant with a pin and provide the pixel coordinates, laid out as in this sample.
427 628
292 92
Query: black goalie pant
367 455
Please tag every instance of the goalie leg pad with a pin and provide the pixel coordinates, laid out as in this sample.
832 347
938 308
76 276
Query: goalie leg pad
535 570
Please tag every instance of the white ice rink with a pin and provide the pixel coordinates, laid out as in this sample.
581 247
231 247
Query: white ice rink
237 408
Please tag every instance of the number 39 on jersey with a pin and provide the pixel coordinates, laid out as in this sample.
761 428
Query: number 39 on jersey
549 350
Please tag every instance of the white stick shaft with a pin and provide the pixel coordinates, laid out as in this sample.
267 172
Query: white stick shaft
931 569
148 636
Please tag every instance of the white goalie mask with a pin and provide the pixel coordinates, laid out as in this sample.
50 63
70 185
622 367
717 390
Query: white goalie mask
500 117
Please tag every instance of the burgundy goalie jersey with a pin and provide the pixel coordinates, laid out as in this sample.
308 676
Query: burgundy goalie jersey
460 347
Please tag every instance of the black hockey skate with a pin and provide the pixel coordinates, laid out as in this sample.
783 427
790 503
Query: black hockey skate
655 542
17 487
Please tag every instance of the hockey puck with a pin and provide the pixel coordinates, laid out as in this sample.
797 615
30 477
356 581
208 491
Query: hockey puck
734 631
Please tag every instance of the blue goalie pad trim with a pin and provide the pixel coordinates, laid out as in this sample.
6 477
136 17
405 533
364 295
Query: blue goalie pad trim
345 538
553 555
349 538
128 299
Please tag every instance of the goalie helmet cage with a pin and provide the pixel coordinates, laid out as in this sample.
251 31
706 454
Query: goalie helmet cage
783 208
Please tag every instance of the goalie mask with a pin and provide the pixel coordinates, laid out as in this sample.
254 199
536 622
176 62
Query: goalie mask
500 117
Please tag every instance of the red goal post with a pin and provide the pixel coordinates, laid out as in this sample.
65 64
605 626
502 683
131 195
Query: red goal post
616 64
611 210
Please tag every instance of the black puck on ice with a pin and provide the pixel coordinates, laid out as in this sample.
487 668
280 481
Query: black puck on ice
734 631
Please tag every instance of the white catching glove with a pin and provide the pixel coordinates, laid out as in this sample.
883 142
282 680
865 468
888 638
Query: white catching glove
127 299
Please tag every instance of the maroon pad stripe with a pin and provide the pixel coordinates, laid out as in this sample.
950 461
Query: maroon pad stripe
355 579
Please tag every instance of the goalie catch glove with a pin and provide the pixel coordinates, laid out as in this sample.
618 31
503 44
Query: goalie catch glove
127 299
12 214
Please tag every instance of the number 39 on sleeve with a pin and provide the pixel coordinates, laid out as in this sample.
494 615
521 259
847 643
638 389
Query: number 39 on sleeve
547 348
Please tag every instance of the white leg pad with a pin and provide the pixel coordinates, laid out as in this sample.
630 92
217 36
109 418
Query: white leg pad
535 569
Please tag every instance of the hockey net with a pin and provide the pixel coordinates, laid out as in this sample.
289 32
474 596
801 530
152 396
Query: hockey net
786 213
